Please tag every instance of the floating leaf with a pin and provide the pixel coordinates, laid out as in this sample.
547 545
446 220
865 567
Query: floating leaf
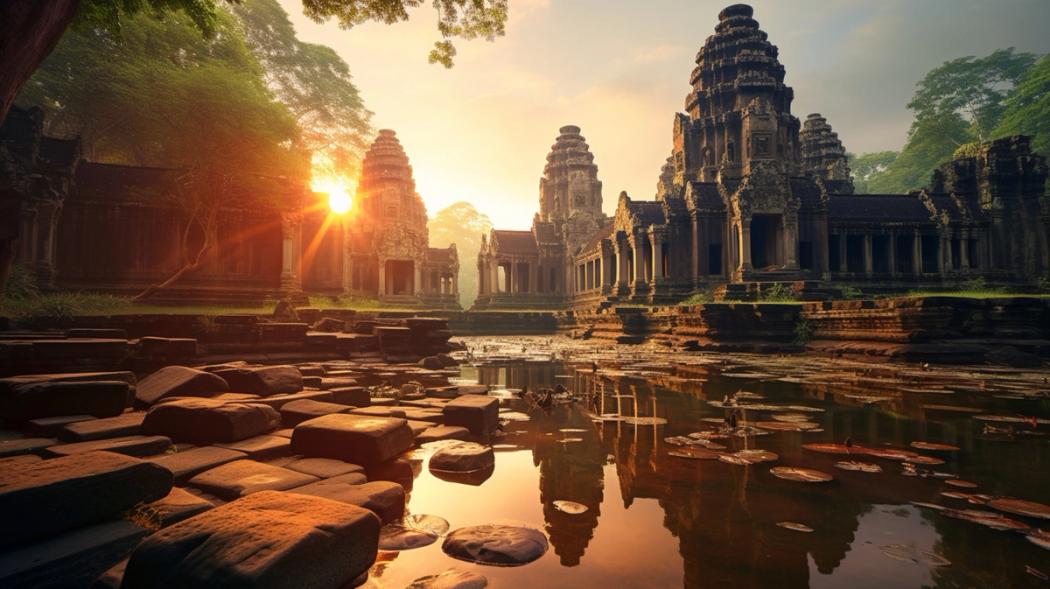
787 426
934 447
961 484
927 460
755 456
795 526
801 475
1040 538
572 430
570 507
987 518
644 420
694 453
412 531
829 448
910 554
1021 507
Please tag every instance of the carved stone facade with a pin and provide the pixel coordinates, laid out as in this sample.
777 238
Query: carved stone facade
748 199
387 254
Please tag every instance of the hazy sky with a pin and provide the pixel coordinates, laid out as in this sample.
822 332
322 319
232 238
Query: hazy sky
620 68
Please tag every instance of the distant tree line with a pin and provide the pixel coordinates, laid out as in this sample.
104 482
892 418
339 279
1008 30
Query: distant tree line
959 103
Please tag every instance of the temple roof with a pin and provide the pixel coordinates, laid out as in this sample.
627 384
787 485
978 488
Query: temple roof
807 192
648 212
441 255
604 233
515 242
877 207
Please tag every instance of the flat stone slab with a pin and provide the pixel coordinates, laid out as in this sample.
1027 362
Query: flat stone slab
206 421
463 457
353 395
443 432
51 496
244 477
184 465
376 410
384 498
352 438
22 400
262 380
21 446
296 412
278 401
126 424
478 413
262 447
72 559
178 381
271 539
50 426
176 506
324 468
127 445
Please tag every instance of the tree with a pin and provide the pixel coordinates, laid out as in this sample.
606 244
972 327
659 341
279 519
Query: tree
1027 109
931 141
159 93
314 83
866 167
974 88
460 223
30 29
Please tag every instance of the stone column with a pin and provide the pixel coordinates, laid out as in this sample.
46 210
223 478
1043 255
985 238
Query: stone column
943 258
512 276
893 253
696 249
291 241
494 276
869 260
745 244
657 241
964 250
916 254
45 263
639 273
382 277
534 282
417 279
843 253
791 244
621 258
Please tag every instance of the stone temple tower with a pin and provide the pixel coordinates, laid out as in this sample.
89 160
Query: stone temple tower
739 111
570 192
824 156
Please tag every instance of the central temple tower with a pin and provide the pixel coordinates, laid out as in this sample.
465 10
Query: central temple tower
739 111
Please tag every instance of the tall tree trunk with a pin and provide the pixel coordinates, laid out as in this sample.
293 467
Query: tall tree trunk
29 30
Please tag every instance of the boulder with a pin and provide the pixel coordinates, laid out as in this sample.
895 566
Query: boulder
174 507
264 447
263 380
24 399
126 424
496 544
296 412
184 465
205 421
178 381
463 457
244 477
352 438
72 559
43 498
443 432
478 413
273 540
383 498
127 445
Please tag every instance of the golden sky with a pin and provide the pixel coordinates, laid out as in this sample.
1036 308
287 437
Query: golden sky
619 69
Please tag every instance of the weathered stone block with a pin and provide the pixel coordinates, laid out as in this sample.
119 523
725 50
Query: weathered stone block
273 540
324 468
188 463
263 380
174 507
263 447
297 412
478 413
127 445
22 446
383 498
178 381
244 477
352 438
205 421
443 432
126 424
51 496
354 396
22 399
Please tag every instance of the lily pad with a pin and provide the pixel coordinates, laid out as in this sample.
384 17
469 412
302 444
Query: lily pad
795 526
787 426
498 545
573 430
790 417
934 447
858 466
989 519
515 416
905 553
1021 507
960 484
801 475
645 420
1040 538
694 453
829 448
412 531
570 507
927 460
755 456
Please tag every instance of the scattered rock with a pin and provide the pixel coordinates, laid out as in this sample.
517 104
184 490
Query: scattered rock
463 457
352 438
22 399
296 412
178 381
412 531
127 424
241 478
274 540
205 421
477 413
496 544
127 445
184 465
324 468
443 432
384 498
262 380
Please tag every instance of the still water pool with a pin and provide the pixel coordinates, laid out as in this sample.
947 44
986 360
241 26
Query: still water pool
653 519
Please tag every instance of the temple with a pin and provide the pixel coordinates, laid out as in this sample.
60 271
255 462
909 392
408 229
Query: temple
80 225
751 199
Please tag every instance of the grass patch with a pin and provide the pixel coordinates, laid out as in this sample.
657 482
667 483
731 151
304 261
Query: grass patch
978 289
62 305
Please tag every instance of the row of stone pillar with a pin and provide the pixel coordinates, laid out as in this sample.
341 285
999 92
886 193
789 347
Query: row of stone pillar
489 276
945 253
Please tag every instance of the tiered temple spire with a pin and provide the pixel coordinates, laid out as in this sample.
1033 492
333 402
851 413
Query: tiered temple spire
823 154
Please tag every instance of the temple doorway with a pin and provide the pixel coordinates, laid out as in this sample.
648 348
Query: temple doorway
400 277
767 235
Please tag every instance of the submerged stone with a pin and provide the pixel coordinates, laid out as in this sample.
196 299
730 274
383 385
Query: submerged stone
498 545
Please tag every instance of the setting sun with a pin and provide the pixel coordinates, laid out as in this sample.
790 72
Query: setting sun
338 191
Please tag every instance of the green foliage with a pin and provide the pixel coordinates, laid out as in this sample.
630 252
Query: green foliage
975 88
1027 109
314 83
21 284
803 331
464 19
699 297
931 142
460 223
850 292
63 305
777 293
868 166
